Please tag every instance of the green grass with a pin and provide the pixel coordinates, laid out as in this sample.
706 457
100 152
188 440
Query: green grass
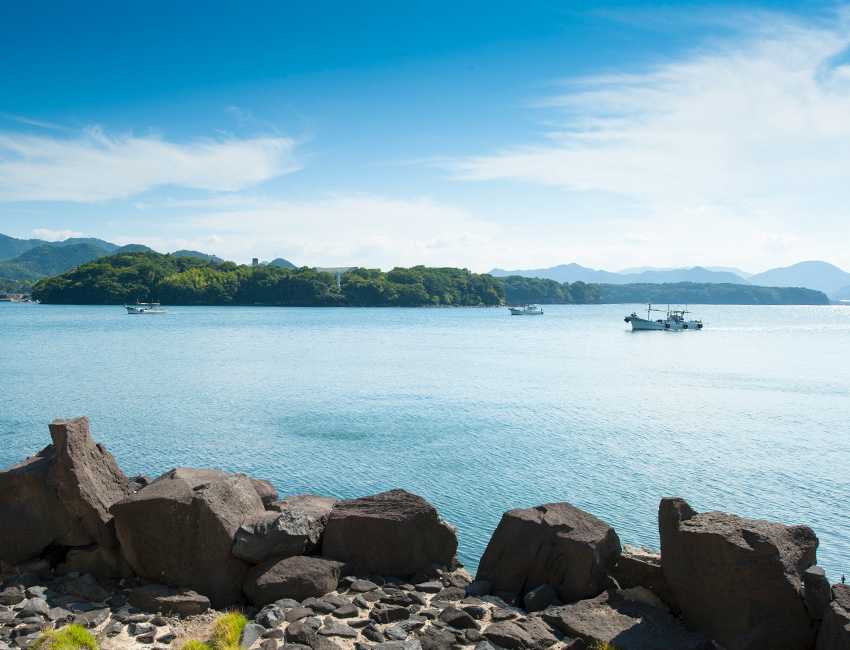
71 637
599 645
225 634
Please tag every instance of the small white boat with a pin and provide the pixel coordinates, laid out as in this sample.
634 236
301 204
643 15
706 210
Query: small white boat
675 319
528 310
145 308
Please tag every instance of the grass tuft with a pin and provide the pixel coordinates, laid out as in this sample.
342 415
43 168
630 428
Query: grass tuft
226 631
195 645
599 645
71 637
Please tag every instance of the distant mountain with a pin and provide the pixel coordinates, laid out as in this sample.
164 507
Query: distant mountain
131 248
46 260
812 275
12 247
279 261
841 294
730 269
577 273
203 256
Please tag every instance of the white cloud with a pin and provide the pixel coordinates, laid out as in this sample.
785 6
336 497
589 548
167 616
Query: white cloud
340 229
55 235
96 166
752 136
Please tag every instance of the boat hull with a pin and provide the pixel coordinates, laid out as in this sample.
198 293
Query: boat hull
643 324
523 312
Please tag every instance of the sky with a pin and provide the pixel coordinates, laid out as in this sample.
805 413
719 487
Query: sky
474 134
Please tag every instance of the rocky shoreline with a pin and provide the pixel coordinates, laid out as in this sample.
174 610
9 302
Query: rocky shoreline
149 563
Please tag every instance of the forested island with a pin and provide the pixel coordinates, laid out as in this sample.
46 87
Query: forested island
147 276
520 289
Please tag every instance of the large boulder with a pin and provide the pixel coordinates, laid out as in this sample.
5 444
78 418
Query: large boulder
86 478
293 527
60 496
31 515
555 543
395 533
102 562
159 598
738 580
835 630
179 530
625 622
298 578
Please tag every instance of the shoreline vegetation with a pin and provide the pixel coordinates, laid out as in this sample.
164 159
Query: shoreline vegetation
147 276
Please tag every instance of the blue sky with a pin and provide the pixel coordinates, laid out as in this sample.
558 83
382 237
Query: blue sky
473 134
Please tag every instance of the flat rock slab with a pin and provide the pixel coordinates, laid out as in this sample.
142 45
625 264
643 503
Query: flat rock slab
555 544
299 577
392 533
835 630
627 624
738 580
159 598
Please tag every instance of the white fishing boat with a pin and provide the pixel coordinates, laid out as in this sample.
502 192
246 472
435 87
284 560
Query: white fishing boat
145 308
675 319
528 310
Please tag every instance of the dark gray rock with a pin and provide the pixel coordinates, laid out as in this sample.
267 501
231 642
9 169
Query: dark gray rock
12 595
91 619
817 592
555 543
349 610
400 631
433 639
274 534
296 577
627 624
86 587
540 598
35 605
319 606
287 603
250 633
180 530
159 598
135 629
394 533
640 567
451 594
389 613
362 586
297 613
834 632
738 580
432 587
373 634
457 618
302 633
166 637
510 635
478 612
335 628
336 600
269 644
270 616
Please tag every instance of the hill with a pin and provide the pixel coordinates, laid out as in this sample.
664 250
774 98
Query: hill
519 289
12 247
199 255
814 275
41 261
148 276
578 273
279 261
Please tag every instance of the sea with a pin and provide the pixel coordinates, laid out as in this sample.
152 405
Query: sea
477 411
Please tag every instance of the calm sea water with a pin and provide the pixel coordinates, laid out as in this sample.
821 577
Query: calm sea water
477 411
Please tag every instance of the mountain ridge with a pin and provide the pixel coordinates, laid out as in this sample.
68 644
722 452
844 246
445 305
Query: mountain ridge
817 275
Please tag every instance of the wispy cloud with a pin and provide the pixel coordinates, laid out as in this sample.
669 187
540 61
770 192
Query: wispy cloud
97 166
756 129
55 235
338 229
